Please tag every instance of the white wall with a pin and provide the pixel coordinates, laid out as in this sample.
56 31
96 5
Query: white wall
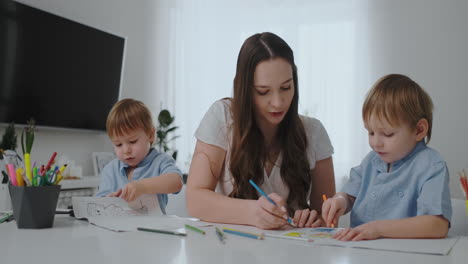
428 40
137 21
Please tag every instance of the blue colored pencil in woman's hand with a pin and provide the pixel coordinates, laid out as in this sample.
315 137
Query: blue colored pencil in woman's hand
290 221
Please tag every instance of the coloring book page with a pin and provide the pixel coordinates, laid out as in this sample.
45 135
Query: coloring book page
116 214
86 207
323 236
312 233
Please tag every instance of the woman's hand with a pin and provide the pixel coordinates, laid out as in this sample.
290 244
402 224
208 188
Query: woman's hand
306 218
366 231
332 209
267 215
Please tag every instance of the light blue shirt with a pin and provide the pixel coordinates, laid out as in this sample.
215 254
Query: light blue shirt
417 185
114 175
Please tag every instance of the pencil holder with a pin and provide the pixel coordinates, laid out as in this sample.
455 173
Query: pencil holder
34 207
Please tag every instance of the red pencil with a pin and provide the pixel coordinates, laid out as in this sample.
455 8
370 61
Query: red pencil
51 161
464 185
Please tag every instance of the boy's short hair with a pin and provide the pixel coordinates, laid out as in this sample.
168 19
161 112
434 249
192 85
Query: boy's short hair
396 98
128 115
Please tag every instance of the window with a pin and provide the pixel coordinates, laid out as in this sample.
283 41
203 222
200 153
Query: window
325 36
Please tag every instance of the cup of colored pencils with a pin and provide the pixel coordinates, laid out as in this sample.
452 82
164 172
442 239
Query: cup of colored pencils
34 193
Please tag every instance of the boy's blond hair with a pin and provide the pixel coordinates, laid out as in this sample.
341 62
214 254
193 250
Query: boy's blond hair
396 98
128 115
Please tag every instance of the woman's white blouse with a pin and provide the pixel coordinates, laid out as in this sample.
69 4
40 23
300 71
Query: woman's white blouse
215 129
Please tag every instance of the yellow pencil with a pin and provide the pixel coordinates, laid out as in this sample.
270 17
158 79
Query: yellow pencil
19 177
63 168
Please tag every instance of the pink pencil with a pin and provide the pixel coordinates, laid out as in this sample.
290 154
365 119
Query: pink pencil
12 171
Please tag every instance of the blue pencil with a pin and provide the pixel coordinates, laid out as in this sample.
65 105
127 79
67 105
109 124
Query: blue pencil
241 233
269 199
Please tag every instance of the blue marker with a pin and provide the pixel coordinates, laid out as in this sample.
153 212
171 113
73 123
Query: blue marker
269 199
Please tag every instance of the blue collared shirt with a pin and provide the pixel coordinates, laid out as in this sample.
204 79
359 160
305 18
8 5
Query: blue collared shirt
114 175
417 185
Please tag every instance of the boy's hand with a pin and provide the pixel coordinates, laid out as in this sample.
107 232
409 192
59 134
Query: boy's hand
115 194
268 216
306 218
332 209
366 231
131 191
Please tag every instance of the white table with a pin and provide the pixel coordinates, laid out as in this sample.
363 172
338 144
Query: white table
73 241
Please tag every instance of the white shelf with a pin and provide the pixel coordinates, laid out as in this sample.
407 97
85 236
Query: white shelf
84 182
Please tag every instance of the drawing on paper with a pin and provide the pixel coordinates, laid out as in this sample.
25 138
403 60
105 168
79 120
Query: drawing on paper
321 232
95 209
85 207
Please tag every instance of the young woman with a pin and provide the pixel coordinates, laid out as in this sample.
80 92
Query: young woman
259 135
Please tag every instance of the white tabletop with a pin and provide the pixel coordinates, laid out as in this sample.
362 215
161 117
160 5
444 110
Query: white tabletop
73 241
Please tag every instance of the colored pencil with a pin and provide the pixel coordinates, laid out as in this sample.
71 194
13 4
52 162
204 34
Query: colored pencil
464 183
161 231
195 229
324 197
290 221
220 235
242 233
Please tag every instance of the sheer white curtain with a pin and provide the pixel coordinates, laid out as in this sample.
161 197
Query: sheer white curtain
204 38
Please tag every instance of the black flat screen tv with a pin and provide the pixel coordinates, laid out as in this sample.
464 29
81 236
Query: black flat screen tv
59 72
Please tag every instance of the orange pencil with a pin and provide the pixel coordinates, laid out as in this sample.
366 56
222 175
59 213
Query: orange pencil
324 197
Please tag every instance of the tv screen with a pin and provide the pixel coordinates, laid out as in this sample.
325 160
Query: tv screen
57 71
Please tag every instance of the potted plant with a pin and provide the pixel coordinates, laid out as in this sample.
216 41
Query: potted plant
164 135
8 145
8 140
164 131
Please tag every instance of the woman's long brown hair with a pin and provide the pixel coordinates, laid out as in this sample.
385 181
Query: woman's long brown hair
248 150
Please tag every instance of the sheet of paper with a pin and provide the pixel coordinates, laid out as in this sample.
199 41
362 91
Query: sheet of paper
423 246
322 236
86 207
116 214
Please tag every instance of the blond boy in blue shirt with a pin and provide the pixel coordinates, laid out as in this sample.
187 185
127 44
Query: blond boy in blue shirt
401 189
139 168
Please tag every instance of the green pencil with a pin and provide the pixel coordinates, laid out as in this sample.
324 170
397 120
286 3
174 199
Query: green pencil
5 217
194 229
161 231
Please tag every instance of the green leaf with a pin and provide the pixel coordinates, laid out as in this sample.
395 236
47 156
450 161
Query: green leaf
9 141
165 118
171 129
31 137
22 140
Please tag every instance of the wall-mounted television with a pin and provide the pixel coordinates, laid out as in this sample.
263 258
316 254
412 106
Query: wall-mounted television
61 73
